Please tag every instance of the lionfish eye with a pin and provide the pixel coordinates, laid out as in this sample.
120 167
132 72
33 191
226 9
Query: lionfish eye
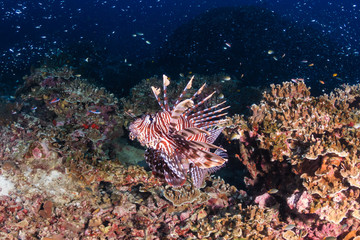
151 118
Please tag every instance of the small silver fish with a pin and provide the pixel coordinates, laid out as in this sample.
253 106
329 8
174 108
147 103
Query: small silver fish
95 111
330 238
227 78
273 191
235 136
289 227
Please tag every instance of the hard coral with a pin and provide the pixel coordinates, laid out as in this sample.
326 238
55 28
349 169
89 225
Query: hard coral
293 141
178 196
75 114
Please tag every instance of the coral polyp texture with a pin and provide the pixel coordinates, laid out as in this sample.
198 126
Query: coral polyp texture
63 174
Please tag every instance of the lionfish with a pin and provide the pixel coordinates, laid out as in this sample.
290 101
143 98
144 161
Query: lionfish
179 139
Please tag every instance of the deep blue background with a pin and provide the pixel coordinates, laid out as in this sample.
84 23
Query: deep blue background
31 30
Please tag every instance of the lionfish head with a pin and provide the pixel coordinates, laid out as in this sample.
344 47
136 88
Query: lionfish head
139 130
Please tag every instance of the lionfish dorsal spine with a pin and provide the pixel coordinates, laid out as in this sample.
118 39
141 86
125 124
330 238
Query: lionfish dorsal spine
212 114
193 98
209 124
205 110
198 91
166 83
205 120
187 87
199 103
156 92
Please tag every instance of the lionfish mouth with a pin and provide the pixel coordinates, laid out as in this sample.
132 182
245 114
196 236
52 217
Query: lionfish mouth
179 139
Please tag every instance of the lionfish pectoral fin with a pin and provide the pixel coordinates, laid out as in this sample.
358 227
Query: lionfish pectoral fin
198 144
174 174
207 159
188 132
197 175
174 165
155 162
165 167
222 154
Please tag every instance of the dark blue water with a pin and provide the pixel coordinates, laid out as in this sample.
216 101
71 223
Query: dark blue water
123 34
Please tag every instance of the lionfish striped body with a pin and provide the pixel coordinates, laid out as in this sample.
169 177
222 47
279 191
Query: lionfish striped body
178 141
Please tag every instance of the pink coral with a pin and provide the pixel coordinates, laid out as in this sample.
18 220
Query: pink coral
264 200
36 152
300 202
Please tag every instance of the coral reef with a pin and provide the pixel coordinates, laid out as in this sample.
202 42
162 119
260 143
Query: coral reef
306 148
69 113
63 177
128 203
